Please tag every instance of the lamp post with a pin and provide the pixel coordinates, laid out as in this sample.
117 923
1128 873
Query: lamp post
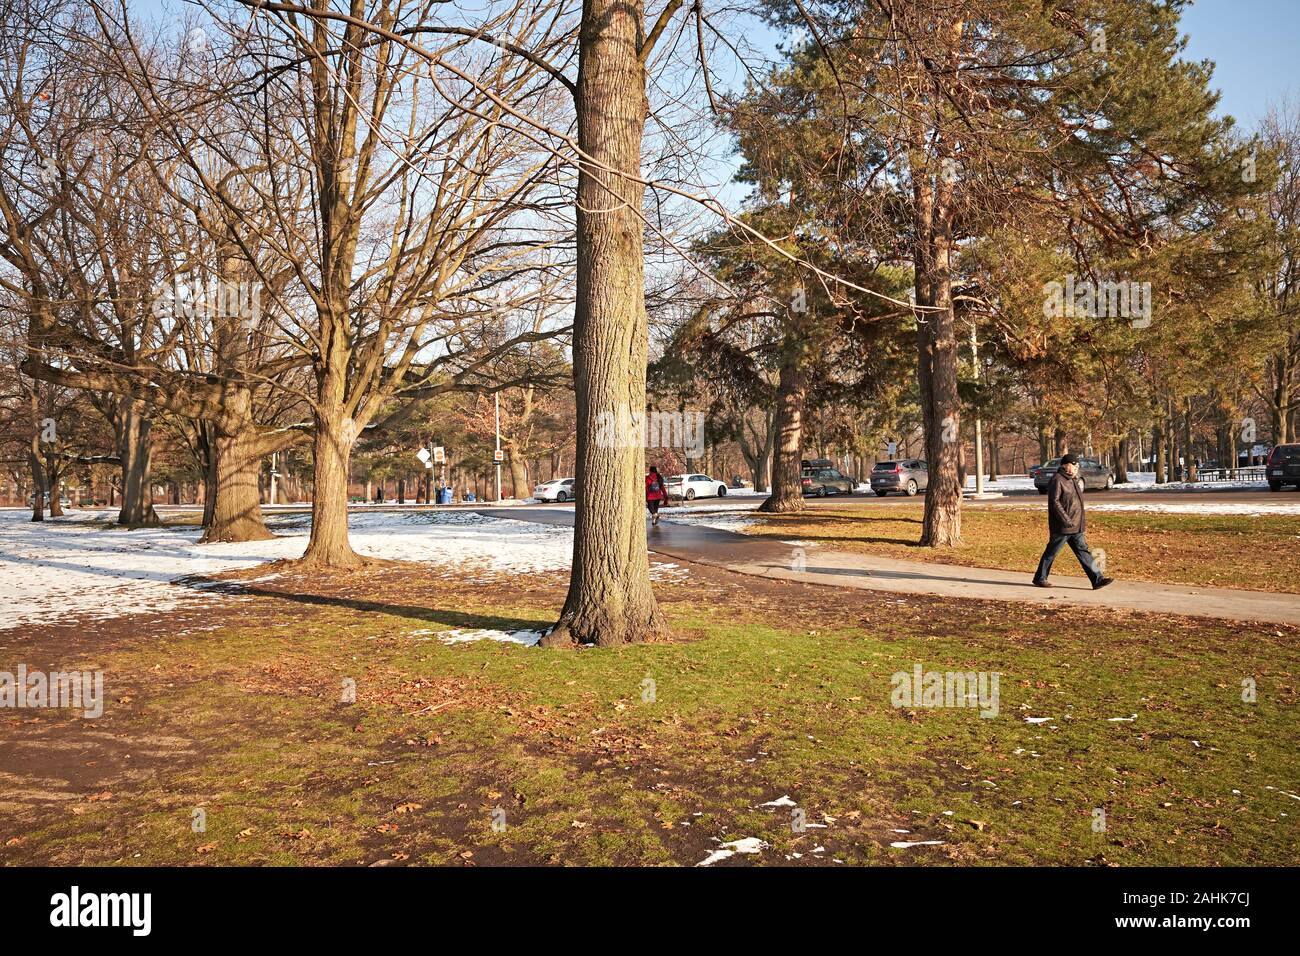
979 427
496 401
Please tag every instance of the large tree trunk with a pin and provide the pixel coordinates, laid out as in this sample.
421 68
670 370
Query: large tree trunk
763 480
332 449
758 455
787 484
136 453
1171 444
208 461
1121 462
609 601
38 485
237 506
1279 406
518 476
36 460
937 370
1158 452
54 481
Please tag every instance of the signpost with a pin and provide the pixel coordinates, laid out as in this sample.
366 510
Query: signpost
440 458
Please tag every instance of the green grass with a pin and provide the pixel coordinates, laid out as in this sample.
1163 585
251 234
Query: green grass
1236 551
786 694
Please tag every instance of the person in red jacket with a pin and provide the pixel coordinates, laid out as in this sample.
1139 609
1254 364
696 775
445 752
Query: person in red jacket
656 493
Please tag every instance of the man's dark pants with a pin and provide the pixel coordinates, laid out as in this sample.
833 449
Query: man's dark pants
1079 546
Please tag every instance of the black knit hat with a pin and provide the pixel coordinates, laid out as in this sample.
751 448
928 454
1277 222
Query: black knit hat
1069 459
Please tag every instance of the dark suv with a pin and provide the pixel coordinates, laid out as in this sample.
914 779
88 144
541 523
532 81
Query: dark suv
1283 467
908 475
820 477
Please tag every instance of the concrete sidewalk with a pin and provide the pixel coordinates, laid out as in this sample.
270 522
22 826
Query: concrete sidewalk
945 580
816 565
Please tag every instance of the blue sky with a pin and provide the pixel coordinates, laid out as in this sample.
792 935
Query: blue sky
1255 46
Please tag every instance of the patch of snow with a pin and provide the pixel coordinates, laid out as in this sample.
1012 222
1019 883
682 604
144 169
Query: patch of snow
1146 481
460 636
1202 508
1004 483
907 845
743 845
1037 720
76 569
668 573
783 801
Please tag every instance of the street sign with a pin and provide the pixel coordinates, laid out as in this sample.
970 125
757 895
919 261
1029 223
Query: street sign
499 455
439 454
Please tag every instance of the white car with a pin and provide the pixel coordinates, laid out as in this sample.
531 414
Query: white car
691 487
557 489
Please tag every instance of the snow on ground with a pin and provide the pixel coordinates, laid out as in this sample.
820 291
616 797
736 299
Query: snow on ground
730 519
78 568
1137 481
460 636
1203 508
1004 483
1146 481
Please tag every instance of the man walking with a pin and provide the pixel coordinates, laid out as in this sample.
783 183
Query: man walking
1065 524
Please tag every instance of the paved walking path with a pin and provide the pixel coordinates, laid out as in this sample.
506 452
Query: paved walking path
773 559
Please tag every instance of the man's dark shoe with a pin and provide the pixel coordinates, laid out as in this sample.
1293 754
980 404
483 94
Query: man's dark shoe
1102 583
1042 584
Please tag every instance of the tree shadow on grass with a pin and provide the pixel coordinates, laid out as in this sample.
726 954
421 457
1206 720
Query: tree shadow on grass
447 617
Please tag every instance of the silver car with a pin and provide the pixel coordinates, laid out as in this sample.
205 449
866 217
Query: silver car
1094 475
908 475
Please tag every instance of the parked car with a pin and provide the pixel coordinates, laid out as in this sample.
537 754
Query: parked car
1095 475
64 500
820 477
1283 467
908 475
690 487
557 489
